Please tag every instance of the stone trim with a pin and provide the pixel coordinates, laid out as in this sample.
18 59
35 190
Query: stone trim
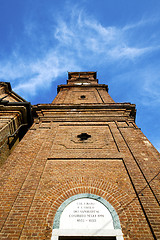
116 222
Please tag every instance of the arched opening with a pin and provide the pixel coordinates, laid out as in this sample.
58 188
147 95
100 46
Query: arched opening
86 217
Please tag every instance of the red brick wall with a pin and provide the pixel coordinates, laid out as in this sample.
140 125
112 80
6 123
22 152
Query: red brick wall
9 123
51 164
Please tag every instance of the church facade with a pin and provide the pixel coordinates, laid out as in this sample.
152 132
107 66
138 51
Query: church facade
78 168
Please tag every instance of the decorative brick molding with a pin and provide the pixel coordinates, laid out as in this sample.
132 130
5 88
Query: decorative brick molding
112 211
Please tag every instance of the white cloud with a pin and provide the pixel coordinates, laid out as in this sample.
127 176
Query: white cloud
128 52
80 41
44 72
143 22
88 36
151 86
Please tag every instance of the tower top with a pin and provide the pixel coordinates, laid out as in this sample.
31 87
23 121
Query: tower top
82 77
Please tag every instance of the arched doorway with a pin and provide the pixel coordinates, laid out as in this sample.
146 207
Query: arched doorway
86 217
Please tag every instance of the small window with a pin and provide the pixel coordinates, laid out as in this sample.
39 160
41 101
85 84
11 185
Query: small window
84 136
83 96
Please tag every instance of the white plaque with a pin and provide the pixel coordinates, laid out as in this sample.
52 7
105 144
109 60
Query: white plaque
86 213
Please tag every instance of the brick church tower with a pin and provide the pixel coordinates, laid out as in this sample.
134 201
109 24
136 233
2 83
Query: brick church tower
83 170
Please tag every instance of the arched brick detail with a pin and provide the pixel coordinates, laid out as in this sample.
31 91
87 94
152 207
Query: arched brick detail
116 222
109 195
46 203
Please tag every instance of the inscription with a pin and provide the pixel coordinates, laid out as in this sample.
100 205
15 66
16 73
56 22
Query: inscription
86 213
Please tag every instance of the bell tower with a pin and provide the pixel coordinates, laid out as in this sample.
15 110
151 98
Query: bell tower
83 88
83 171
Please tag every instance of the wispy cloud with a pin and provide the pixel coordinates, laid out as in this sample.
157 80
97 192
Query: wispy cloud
89 36
143 22
151 86
39 75
77 42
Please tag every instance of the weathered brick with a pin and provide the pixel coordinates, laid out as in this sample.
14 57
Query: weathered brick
51 164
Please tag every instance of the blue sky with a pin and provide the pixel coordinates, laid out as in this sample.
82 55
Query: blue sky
40 40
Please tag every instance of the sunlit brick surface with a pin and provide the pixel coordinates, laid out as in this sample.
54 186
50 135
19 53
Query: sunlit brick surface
51 164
